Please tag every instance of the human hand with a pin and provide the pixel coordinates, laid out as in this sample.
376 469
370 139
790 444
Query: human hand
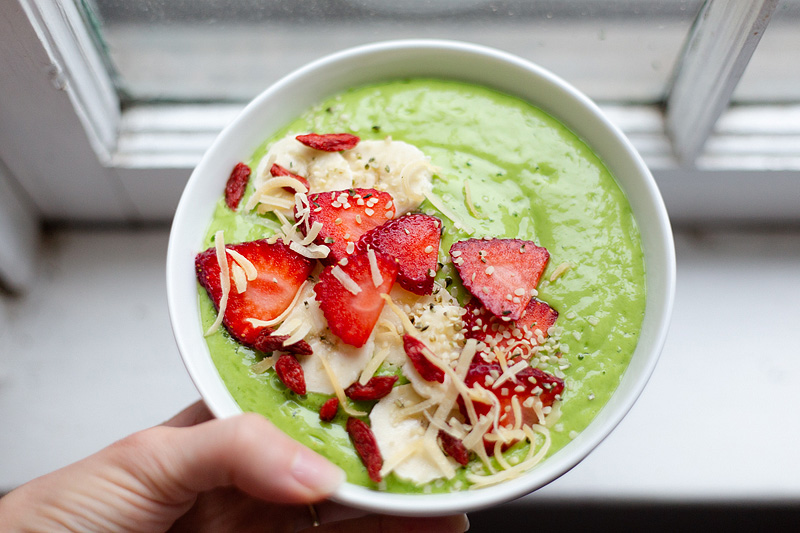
195 473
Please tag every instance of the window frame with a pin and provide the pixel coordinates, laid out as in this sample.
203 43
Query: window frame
60 115
130 166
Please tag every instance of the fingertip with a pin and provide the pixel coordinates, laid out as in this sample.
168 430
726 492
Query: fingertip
286 471
454 524
316 473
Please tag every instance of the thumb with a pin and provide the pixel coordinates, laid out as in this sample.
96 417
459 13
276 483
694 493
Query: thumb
147 480
246 451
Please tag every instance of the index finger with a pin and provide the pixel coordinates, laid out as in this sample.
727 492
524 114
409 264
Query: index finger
197 413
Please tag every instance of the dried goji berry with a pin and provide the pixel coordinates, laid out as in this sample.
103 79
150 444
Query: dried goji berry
277 170
267 342
375 389
291 373
329 142
366 447
237 182
328 410
454 447
414 350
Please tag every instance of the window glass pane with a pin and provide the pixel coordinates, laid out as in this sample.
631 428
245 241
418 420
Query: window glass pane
229 50
773 76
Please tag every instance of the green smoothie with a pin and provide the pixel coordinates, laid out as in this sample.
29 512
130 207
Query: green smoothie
505 169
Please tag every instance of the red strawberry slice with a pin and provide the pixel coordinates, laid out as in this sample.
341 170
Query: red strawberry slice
281 272
236 185
535 382
523 334
414 241
329 142
277 170
346 216
501 273
529 382
352 306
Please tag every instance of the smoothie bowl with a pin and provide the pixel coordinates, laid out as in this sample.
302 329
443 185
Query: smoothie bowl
434 263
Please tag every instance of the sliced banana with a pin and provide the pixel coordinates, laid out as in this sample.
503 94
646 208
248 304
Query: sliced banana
400 439
396 167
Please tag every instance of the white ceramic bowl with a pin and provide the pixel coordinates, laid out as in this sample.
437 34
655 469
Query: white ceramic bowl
298 91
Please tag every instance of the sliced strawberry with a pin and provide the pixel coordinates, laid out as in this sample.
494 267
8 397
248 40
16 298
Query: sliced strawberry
415 350
522 335
352 307
535 382
277 170
414 241
329 142
346 216
530 382
501 273
281 272
236 185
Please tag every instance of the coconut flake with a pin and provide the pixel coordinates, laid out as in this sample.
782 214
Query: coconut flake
312 233
239 278
224 280
312 251
468 200
257 323
377 278
345 279
439 204
560 269
298 335
249 269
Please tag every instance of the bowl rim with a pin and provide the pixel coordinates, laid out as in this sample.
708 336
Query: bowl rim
375 62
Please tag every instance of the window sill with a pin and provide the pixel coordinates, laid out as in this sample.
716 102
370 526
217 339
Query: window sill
748 173
686 440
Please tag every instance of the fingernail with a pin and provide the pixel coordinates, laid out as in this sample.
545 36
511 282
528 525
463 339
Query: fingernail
462 524
316 472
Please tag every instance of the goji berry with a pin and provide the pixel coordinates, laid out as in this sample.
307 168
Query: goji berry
328 410
366 447
237 182
414 350
277 170
329 142
291 373
267 342
454 447
375 389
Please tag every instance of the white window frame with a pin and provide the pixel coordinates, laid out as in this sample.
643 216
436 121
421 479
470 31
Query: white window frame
75 156
59 117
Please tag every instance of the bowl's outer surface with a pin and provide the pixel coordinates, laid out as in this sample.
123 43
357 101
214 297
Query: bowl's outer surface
295 93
